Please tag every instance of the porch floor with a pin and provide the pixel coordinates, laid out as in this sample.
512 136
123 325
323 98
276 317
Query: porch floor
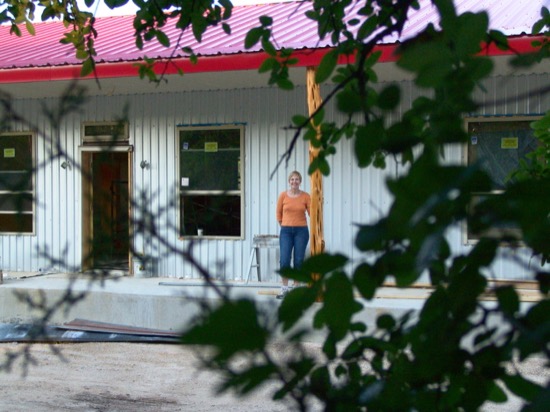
170 304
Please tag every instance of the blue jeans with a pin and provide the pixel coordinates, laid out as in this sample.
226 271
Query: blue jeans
293 238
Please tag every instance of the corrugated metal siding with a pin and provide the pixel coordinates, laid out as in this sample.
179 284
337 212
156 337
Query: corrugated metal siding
351 195
154 133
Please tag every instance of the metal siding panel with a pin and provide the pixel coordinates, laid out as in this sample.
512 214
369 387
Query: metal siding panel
351 195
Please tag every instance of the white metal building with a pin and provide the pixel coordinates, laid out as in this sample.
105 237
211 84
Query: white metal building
164 127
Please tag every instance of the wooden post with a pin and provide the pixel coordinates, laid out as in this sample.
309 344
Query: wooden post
317 240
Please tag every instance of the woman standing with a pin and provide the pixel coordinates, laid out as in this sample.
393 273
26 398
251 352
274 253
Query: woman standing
292 206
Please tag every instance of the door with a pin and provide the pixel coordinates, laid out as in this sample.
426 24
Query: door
106 187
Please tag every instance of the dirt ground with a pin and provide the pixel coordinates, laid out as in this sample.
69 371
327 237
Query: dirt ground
120 377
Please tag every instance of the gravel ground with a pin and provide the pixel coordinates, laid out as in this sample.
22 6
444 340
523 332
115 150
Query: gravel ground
140 377
119 377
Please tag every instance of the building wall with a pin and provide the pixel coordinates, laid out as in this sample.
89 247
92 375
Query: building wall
352 195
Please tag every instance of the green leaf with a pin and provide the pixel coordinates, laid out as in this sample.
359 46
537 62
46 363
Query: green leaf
367 141
389 97
320 381
348 102
300 120
294 306
431 61
199 26
329 345
112 4
358 327
321 164
371 237
499 39
399 138
366 281
245 381
268 64
353 350
372 59
88 67
540 403
319 117
30 27
266 21
268 47
291 62
163 38
367 28
82 54
522 387
484 252
538 27
299 275
324 263
539 314
543 278
508 299
385 322
471 32
339 304
479 67
327 66
139 42
224 327
252 37
285 84
496 394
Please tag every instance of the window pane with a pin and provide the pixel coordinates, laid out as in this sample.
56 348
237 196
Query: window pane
15 153
16 181
16 223
215 215
210 159
210 181
16 202
500 146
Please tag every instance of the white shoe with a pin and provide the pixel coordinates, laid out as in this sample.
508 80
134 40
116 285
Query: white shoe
283 292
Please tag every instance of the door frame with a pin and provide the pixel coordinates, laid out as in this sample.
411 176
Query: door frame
86 154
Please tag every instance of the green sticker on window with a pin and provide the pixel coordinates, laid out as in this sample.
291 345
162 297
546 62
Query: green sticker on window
509 143
211 146
9 153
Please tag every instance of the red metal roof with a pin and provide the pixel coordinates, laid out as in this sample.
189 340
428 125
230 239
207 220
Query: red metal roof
115 41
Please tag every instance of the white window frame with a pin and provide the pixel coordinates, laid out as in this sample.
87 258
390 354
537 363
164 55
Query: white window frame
186 233
31 192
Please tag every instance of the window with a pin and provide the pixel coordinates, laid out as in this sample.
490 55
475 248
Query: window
16 183
211 197
499 144
105 133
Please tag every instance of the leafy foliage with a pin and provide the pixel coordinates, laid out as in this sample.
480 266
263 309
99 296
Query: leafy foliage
448 356
417 361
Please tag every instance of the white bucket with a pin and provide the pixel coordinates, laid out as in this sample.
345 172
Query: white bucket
145 268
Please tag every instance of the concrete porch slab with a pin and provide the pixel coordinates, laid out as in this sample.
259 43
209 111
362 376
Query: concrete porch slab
169 303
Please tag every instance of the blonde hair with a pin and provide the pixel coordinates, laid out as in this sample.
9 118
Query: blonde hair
295 173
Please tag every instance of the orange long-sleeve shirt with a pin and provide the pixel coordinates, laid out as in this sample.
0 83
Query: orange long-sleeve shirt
291 211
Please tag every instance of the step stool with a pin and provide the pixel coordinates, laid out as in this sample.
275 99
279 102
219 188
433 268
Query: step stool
260 242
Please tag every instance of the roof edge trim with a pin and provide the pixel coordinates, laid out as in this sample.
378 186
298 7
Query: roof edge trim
219 63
